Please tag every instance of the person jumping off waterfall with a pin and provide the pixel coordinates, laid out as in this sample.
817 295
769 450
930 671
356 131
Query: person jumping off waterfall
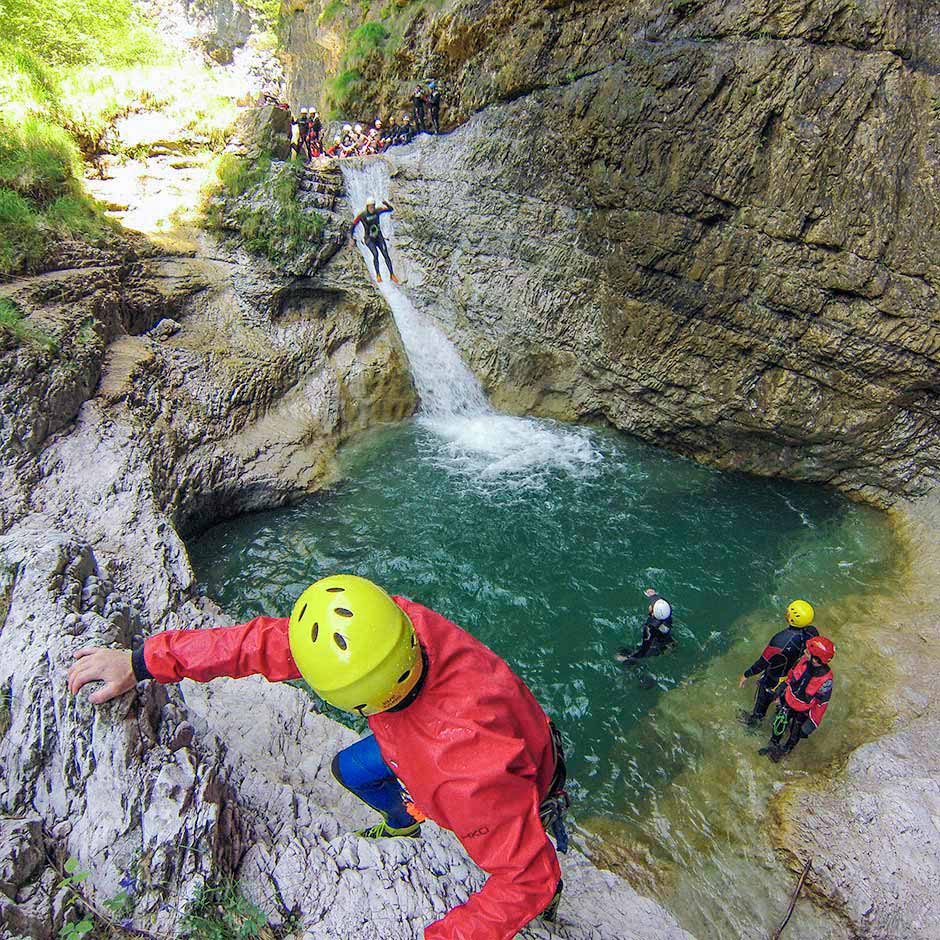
803 700
370 217
454 731
779 657
657 631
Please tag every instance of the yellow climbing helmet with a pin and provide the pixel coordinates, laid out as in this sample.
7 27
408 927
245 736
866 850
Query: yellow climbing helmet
354 645
800 614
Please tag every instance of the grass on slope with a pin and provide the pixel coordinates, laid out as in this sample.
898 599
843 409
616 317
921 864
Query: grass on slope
68 70
268 215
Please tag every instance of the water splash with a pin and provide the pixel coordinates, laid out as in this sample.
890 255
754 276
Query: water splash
478 441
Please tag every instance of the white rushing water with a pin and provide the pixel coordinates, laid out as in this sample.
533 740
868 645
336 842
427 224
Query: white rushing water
477 440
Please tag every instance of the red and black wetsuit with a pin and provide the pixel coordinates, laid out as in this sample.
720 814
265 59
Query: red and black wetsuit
804 701
778 658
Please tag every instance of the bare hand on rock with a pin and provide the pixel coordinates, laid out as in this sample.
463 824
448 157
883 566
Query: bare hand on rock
112 667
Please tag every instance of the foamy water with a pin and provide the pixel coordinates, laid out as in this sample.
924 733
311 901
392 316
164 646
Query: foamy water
478 440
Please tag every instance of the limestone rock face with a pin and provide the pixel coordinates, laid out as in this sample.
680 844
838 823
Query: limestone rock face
263 129
889 812
720 219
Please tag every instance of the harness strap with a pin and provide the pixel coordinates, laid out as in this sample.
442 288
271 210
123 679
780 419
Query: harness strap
556 803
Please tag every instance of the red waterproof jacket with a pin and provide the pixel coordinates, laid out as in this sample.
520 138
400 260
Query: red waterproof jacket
807 693
473 750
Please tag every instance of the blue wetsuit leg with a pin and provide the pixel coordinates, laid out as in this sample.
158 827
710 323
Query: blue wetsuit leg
361 770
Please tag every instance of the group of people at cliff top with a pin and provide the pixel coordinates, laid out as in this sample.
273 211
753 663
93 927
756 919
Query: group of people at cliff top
455 735
793 670
358 140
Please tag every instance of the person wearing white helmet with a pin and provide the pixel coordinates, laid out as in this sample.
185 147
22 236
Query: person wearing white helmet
370 218
657 630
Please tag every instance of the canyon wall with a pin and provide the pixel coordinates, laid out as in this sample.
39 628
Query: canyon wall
709 224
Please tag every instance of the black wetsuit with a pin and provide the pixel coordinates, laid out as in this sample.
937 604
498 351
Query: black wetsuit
417 100
303 128
657 637
434 105
779 657
374 239
313 137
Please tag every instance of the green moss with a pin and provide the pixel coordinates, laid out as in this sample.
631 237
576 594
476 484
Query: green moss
365 39
330 12
369 46
276 225
16 330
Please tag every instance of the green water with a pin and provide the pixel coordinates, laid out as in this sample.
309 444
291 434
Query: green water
544 557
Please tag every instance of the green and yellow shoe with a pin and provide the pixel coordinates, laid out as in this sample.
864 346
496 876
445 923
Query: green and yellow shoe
383 830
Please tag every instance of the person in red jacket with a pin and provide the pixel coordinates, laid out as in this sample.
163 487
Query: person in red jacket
804 699
456 737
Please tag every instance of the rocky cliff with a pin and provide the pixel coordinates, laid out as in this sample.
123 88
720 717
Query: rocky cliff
719 217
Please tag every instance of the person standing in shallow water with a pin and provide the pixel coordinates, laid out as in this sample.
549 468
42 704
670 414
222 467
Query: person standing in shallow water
455 732
780 655
804 699
370 217
657 631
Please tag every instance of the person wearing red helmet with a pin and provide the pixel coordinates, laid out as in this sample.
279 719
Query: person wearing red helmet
804 699
456 737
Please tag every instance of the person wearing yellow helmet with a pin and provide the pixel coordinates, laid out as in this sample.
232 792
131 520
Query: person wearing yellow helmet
456 736
779 656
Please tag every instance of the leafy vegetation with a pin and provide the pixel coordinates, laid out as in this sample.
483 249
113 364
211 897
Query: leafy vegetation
271 220
68 71
222 913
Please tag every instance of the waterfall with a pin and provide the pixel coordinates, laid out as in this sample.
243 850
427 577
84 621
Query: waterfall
477 440
446 386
